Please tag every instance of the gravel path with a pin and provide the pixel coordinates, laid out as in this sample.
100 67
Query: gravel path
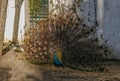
15 68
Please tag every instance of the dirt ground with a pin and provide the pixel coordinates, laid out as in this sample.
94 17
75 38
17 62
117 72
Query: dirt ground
14 68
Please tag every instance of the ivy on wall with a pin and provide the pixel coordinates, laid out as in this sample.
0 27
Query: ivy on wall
38 8
34 6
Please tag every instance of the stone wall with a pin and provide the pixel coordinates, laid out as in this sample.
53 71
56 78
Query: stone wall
111 26
107 14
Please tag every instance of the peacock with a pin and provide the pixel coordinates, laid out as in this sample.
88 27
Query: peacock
57 58
63 39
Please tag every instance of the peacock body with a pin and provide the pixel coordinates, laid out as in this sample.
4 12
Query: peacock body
57 58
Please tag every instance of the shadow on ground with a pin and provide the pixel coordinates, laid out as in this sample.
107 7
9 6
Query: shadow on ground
4 74
18 69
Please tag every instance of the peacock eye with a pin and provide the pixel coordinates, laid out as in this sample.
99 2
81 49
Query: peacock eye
40 53
39 48
45 48
45 53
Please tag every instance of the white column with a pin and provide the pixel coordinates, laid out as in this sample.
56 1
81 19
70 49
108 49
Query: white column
99 18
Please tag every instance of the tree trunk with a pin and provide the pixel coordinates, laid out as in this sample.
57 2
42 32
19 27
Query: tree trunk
18 4
3 10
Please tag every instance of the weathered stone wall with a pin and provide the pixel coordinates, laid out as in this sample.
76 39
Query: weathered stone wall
107 14
111 26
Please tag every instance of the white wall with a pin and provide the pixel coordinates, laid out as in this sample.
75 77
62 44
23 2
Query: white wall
111 26
9 20
108 17
107 14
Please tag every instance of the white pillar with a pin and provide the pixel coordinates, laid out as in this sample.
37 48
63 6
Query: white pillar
99 14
